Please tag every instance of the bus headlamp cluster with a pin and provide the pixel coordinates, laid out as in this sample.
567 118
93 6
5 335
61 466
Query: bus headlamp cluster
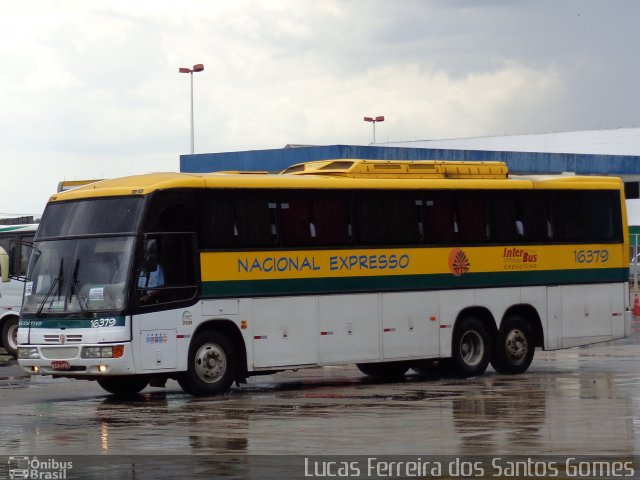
28 353
103 352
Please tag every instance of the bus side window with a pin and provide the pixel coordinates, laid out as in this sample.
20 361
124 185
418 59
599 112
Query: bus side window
587 216
472 222
23 250
533 209
386 218
503 218
567 218
255 220
217 223
297 227
331 218
166 270
172 211
440 218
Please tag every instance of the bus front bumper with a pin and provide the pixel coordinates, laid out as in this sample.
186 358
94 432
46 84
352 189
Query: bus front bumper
78 361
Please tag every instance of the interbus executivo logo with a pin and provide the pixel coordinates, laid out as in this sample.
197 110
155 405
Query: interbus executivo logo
458 262
520 258
22 467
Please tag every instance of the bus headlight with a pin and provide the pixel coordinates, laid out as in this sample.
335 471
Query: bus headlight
28 353
115 351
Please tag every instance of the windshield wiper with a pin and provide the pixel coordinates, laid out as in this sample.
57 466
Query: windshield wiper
75 286
56 281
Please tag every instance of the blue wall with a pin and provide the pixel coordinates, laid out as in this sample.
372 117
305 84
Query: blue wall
518 162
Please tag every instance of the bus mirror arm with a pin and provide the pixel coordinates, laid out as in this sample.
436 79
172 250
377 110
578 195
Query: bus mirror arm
4 265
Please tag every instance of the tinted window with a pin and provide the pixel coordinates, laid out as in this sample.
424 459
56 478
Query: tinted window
171 211
310 218
331 218
586 216
387 218
441 221
238 218
87 217
166 270
505 226
471 217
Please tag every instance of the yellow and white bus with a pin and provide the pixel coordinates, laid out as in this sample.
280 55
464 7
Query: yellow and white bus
212 278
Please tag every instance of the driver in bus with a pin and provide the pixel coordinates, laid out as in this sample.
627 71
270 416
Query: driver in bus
151 280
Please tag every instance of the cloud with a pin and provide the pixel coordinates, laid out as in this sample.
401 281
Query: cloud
92 88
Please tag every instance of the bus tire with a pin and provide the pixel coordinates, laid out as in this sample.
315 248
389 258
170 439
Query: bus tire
384 369
211 367
515 347
10 335
470 348
124 386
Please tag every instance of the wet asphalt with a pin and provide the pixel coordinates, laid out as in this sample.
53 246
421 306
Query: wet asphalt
580 401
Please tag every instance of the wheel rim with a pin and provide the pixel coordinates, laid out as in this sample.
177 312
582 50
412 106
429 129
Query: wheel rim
516 345
12 336
471 348
210 362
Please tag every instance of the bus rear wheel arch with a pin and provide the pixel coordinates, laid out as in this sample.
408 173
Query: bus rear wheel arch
515 346
212 364
471 347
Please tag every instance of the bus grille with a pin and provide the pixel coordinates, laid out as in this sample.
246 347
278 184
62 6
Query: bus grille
67 339
59 353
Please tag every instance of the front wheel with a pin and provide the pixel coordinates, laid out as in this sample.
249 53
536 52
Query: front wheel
514 348
10 335
212 365
125 386
471 348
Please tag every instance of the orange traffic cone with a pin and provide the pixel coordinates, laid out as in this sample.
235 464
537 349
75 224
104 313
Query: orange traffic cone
636 306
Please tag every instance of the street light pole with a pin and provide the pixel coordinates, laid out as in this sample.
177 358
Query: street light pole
374 120
196 68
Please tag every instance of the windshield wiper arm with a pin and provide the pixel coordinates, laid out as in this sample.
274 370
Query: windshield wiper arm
75 286
56 281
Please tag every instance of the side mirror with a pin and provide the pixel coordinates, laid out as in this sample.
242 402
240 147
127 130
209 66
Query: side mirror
4 265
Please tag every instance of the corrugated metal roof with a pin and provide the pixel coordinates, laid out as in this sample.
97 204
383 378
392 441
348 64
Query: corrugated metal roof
620 141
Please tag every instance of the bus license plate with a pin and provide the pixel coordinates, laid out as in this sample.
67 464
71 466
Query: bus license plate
60 365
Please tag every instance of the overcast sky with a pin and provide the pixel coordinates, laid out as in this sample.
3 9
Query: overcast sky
91 89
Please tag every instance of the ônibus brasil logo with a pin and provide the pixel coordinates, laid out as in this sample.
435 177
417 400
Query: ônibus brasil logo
23 467
458 262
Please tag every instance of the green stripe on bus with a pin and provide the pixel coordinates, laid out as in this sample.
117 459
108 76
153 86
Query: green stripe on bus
11 229
245 288
100 322
634 234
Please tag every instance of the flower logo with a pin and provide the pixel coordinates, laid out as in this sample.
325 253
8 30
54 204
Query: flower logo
458 262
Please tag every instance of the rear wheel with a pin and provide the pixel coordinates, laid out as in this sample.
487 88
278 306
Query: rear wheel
384 370
515 346
10 335
212 365
471 347
125 386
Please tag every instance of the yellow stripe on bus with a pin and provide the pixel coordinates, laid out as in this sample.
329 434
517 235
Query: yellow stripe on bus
457 261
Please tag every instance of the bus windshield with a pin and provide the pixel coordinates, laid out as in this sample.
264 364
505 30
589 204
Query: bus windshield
78 275
82 256
91 217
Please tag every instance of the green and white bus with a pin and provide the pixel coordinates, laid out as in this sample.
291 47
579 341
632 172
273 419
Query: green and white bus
15 241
